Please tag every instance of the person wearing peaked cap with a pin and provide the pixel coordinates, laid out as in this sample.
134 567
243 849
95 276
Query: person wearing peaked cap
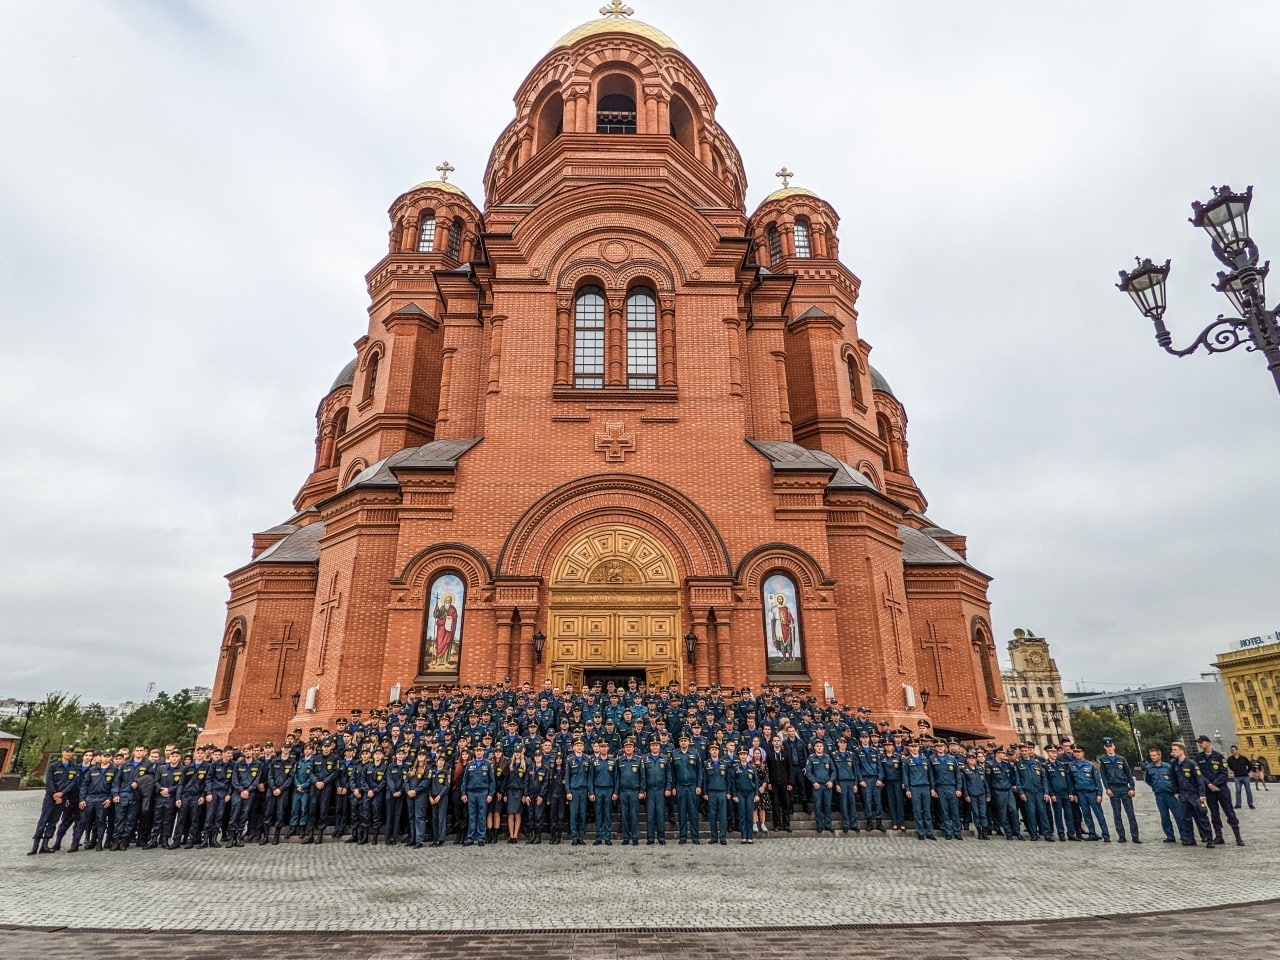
1217 779
1119 784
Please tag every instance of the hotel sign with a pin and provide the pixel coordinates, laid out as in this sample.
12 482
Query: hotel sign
1249 643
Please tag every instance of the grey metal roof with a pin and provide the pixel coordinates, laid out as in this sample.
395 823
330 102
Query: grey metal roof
878 382
285 528
346 378
301 546
922 550
813 312
411 310
938 532
436 455
791 456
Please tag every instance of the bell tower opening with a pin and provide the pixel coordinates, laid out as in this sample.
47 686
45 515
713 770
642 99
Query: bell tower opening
614 609
616 105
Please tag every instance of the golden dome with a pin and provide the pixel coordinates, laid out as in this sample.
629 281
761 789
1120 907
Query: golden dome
594 28
789 192
436 185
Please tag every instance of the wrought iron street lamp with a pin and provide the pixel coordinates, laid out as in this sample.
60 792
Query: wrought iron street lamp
1226 219
924 700
1127 710
539 643
18 765
690 644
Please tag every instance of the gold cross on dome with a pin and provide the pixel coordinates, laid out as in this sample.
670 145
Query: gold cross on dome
445 169
616 9
785 175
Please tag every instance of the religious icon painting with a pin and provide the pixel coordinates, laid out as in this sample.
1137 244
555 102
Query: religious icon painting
442 626
783 643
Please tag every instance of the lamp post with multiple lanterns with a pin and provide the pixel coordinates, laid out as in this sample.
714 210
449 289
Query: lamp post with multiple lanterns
1226 219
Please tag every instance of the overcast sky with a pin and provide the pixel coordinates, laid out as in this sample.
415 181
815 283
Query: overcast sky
191 193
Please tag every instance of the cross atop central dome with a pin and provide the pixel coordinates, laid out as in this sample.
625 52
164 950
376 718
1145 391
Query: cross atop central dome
616 19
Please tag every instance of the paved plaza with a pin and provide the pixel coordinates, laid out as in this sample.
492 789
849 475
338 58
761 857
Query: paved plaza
792 882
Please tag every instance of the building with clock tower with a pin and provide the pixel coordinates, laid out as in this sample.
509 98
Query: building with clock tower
609 421
1037 702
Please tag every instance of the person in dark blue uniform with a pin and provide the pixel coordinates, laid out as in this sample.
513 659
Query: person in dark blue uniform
479 787
946 784
630 786
1086 790
820 774
1217 781
168 786
602 791
686 774
1058 776
191 800
715 787
397 798
279 774
517 775
557 806
658 786
973 780
1189 788
891 767
846 764
417 784
1033 790
744 786
577 784
917 782
1118 782
60 782
1001 779
438 797
870 768
1159 777
537 788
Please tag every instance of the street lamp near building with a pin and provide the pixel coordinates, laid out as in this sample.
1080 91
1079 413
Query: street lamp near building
1127 710
1226 219
18 766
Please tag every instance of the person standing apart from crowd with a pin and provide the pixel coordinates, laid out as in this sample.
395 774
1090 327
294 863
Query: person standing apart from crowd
1241 768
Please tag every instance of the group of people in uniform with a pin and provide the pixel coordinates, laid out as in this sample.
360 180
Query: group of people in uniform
474 767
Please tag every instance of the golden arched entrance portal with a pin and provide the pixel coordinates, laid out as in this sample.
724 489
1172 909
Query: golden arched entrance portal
614 609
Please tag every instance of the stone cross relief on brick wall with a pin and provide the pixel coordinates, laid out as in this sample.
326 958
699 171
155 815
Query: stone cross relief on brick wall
894 606
934 646
327 606
282 647
615 442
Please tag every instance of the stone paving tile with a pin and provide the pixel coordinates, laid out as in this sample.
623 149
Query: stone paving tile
792 883
1248 931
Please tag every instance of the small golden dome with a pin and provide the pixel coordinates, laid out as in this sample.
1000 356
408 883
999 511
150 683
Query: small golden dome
789 192
436 185
594 28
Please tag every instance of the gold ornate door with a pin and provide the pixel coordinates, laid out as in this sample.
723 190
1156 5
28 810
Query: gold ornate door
615 602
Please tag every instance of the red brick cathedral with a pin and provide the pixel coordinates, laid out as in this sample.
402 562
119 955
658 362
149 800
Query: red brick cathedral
609 424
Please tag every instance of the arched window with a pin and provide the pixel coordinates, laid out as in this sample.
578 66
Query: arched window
642 339
855 380
232 654
1024 692
427 233
883 431
588 338
550 120
455 239
371 375
775 244
682 124
803 250
339 428
616 105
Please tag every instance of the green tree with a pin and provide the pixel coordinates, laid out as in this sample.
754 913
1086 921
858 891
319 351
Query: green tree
57 721
1091 726
1152 728
165 720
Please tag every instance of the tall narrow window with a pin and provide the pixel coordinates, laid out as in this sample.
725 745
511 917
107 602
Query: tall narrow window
854 380
588 338
232 654
371 377
427 233
803 249
642 339
455 239
339 429
775 244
